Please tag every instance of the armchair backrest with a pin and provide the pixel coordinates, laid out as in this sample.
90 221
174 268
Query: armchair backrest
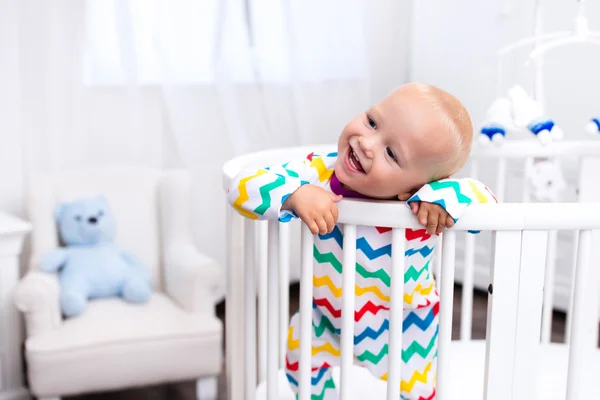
133 194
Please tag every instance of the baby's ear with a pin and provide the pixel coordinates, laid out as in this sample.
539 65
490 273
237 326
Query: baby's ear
59 211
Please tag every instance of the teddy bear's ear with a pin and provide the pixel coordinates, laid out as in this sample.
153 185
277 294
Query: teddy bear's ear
59 211
101 199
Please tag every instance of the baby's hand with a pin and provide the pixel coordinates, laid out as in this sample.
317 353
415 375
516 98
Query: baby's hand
315 206
432 216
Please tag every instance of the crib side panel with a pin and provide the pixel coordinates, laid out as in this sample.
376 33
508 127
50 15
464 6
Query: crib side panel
273 310
446 279
502 316
249 270
529 312
235 306
306 299
396 314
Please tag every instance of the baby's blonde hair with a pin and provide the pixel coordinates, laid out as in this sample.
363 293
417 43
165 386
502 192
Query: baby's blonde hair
457 120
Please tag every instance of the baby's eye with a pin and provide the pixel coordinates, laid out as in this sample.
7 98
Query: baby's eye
78 218
100 213
372 123
390 153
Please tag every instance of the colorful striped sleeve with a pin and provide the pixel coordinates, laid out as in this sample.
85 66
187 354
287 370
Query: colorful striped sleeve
455 195
259 193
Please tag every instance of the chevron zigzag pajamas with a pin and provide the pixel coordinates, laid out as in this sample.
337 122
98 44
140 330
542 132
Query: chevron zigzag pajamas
259 194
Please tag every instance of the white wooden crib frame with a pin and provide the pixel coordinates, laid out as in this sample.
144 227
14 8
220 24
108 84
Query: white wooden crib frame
522 235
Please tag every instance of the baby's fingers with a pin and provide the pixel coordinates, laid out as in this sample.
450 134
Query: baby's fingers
322 224
414 207
330 222
334 212
312 225
432 222
423 216
449 222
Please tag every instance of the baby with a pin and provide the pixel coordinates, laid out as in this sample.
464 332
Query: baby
405 148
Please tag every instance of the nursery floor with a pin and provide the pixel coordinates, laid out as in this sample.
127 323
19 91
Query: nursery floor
186 390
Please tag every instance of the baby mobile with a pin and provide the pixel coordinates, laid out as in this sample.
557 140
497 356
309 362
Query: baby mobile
515 110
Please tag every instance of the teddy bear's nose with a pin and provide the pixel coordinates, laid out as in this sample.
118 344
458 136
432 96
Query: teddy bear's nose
92 220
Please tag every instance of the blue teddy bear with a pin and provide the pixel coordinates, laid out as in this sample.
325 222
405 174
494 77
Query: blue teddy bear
91 265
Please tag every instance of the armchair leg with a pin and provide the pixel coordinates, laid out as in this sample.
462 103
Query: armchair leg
207 388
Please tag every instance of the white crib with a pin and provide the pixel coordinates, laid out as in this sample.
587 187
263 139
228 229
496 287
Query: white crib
515 361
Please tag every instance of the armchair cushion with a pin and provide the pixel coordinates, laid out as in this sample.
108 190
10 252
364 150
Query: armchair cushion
116 344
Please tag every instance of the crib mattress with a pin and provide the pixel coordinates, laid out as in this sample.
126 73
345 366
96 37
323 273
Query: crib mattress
466 375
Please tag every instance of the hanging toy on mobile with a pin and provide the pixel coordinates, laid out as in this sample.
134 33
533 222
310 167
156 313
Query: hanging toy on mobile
528 113
593 126
497 122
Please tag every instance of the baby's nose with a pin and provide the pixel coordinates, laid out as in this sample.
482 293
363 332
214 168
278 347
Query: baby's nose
366 146
92 220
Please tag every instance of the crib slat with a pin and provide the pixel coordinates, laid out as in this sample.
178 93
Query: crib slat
437 261
571 291
446 305
306 294
500 179
502 321
529 312
249 310
284 289
549 287
578 333
235 264
466 315
263 247
347 335
396 313
273 310
593 297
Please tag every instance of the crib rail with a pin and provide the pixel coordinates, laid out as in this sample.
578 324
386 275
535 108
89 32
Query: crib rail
521 281
584 153
520 236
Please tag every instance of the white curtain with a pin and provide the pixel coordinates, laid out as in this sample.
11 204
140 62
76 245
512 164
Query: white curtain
186 83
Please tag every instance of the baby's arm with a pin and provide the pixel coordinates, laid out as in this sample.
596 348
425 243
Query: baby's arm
265 193
451 195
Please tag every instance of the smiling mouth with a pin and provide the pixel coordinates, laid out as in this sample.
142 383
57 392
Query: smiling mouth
354 161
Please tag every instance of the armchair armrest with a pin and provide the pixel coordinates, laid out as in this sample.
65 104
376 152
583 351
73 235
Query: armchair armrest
191 278
37 296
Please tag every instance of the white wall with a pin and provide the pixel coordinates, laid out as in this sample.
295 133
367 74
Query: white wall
453 45
572 74
11 172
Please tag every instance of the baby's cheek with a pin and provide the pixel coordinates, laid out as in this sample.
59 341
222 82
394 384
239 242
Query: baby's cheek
386 187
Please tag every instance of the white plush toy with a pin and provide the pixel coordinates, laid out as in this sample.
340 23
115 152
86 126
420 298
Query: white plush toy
528 113
593 126
546 180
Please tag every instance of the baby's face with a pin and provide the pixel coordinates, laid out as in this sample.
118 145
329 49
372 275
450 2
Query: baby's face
392 148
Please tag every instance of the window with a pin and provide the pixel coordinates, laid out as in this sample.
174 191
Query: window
179 42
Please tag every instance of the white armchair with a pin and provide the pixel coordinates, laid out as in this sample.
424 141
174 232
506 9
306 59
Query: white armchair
175 336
